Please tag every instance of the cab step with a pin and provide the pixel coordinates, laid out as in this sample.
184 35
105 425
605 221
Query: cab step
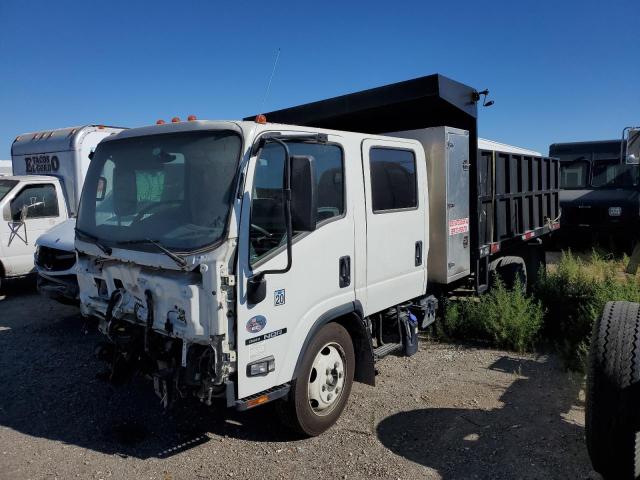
385 350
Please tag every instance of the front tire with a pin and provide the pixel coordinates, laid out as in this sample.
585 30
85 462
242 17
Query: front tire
613 392
321 391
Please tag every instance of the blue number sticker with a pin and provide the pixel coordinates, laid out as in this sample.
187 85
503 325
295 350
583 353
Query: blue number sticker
278 297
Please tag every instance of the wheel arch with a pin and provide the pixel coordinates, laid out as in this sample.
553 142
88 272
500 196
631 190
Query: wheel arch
351 317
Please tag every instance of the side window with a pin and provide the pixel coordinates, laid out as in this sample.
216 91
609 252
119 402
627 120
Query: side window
393 179
268 231
38 201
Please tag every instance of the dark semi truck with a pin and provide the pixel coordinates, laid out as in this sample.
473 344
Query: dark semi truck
600 194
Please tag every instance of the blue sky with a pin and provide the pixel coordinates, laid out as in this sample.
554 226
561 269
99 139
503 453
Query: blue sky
557 70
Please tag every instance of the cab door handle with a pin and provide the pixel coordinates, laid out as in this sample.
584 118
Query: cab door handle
418 253
344 271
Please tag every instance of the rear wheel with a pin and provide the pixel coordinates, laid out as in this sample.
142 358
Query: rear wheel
511 270
322 389
613 395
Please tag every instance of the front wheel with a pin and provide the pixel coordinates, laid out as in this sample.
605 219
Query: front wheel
321 391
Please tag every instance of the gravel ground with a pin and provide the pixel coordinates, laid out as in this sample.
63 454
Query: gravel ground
449 412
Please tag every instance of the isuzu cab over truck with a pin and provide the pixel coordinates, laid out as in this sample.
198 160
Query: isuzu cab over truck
258 261
49 168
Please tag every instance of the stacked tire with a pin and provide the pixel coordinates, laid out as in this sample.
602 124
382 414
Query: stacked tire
613 392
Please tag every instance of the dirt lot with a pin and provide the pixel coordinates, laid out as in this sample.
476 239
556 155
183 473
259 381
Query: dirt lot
449 412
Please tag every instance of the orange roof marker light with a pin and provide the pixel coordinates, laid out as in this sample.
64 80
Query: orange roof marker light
262 119
160 122
100 127
191 118
175 120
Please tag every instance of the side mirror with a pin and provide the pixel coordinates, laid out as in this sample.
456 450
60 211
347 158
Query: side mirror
633 146
125 191
304 196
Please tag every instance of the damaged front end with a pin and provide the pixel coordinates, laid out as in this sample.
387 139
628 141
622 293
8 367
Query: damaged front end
152 321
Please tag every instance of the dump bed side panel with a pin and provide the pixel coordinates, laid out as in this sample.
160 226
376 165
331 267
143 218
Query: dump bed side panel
518 197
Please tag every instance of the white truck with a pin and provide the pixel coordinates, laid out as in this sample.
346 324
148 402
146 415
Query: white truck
258 261
43 194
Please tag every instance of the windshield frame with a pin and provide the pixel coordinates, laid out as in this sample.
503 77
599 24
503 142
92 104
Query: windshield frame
237 177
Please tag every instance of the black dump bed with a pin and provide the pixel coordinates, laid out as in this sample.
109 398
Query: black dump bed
514 197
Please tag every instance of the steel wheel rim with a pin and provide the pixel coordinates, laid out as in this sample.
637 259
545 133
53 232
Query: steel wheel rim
325 384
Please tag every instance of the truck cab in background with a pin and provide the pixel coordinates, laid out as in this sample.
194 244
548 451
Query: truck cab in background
600 193
61 157
29 206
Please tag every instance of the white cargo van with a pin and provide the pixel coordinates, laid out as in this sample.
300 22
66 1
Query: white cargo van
44 191
257 261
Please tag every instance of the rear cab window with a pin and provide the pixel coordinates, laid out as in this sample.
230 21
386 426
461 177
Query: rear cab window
394 184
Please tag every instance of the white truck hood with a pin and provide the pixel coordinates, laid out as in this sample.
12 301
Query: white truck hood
61 237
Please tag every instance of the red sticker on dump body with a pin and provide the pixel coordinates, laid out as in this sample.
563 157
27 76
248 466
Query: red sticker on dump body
460 225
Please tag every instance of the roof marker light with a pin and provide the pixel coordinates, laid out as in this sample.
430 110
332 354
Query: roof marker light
192 118
262 119
175 120
160 122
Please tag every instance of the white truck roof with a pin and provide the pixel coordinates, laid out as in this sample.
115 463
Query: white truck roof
30 178
485 144
56 140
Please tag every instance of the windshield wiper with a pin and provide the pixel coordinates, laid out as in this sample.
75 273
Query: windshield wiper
176 258
95 240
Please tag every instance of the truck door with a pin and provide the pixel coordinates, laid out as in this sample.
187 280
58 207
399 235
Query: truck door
34 209
397 227
321 277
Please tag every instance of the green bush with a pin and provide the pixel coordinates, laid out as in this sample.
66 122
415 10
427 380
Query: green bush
505 318
574 294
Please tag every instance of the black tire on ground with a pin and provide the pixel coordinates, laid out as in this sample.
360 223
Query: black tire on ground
510 269
613 392
297 411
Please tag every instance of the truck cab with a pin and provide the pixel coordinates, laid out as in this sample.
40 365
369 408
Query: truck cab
30 206
600 196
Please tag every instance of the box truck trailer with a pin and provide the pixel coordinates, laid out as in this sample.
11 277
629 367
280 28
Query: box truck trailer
257 261
43 194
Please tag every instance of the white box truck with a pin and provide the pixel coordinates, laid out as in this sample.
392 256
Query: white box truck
44 191
258 261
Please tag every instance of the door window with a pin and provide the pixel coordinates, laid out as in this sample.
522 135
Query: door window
37 201
393 179
268 230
